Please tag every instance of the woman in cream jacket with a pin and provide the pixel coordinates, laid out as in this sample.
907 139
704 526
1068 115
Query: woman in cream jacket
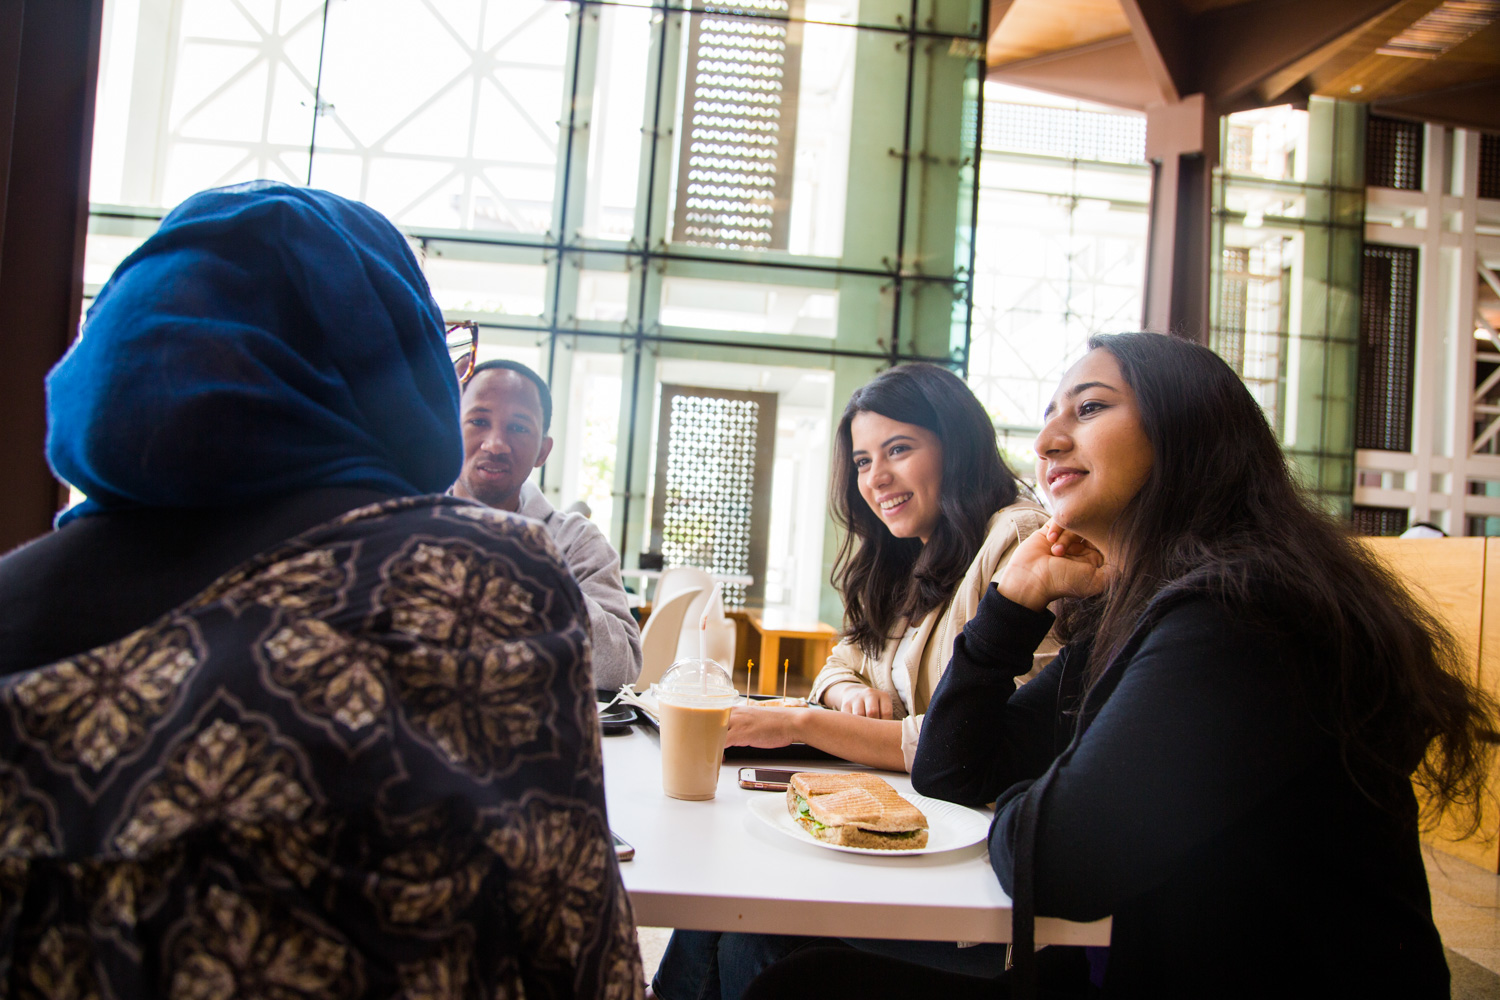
849 674
930 515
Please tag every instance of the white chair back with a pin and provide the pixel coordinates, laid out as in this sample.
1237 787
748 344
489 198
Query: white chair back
674 581
660 636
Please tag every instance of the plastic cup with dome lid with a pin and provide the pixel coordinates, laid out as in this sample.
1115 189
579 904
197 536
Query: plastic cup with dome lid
694 698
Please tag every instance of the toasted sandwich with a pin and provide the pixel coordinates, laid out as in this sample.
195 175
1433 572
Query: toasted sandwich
855 810
777 703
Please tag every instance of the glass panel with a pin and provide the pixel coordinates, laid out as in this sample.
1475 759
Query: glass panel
960 17
445 115
471 286
117 50
1271 143
749 307
939 181
1286 281
617 116
604 295
1061 248
824 115
239 94
588 471
102 253
498 348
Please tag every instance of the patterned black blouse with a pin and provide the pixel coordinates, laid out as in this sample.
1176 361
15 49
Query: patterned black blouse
363 764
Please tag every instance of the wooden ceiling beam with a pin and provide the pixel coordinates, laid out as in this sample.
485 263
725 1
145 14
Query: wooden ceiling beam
998 10
1297 78
1159 29
1263 45
1470 105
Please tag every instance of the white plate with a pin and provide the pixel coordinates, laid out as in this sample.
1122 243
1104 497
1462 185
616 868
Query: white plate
949 825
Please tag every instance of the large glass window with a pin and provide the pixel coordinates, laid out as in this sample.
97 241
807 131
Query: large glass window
771 198
1063 198
1288 238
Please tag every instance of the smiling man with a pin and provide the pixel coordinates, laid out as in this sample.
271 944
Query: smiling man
506 413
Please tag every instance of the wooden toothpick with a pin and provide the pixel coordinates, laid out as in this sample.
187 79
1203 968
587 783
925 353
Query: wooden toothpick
786 671
749 670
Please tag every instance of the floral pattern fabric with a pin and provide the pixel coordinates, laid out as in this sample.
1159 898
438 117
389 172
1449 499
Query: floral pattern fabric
365 764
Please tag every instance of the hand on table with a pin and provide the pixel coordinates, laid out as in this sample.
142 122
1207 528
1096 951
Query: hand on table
764 727
1051 563
869 702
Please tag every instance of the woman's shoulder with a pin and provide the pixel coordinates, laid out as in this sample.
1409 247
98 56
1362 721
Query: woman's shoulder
1011 524
1007 528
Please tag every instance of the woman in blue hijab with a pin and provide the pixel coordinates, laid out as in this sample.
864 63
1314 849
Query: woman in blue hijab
276 715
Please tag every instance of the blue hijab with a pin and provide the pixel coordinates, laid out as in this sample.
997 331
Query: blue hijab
267 339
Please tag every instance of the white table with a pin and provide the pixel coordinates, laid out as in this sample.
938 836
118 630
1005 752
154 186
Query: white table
714 866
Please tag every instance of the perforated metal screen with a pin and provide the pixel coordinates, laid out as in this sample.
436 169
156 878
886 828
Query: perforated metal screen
1234 292
1379 520
1065 132
1393 154
712 505
1387 343
739 128
1489 166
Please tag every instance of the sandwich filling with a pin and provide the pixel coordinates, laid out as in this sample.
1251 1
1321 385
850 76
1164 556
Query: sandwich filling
805 817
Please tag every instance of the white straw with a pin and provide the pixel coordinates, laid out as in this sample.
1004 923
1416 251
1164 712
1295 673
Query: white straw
703 632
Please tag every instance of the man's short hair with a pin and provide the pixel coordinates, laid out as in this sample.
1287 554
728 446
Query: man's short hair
543 393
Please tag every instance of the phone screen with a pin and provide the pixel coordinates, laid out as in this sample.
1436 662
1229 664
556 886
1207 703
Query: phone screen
766 779
623 851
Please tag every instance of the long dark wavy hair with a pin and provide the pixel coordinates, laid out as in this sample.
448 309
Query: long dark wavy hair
1221 514
884 579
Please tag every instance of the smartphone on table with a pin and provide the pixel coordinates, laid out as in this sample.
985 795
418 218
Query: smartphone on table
623 851
766 779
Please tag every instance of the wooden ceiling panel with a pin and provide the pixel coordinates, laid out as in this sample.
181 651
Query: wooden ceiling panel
1244 53
1032 28
1106 73
1360 73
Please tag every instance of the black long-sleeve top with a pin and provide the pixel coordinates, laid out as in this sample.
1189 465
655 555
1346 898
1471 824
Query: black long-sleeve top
1197 800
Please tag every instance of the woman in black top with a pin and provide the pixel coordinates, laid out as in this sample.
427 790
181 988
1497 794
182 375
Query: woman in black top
1222 756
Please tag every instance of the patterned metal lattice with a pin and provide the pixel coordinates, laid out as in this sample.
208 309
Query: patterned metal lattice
1489 166
1239 149
1387 346
1095 136
1379 520
1234 302
1393 154
1249 330
710 482
739 131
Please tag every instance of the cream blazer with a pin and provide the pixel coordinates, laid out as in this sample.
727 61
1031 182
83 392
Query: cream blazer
932 647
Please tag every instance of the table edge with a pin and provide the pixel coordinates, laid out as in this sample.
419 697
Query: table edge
918 921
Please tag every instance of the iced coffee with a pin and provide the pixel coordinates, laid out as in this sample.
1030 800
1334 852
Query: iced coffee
694 698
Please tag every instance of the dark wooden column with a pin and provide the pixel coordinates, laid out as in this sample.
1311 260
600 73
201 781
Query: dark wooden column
49 65
1182 141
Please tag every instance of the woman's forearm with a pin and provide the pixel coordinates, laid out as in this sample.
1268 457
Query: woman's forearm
875 742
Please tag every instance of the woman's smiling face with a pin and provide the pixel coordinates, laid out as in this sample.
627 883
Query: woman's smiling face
1092 452
900 473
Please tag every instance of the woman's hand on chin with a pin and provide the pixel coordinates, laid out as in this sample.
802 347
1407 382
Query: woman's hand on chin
1052 563
764 727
